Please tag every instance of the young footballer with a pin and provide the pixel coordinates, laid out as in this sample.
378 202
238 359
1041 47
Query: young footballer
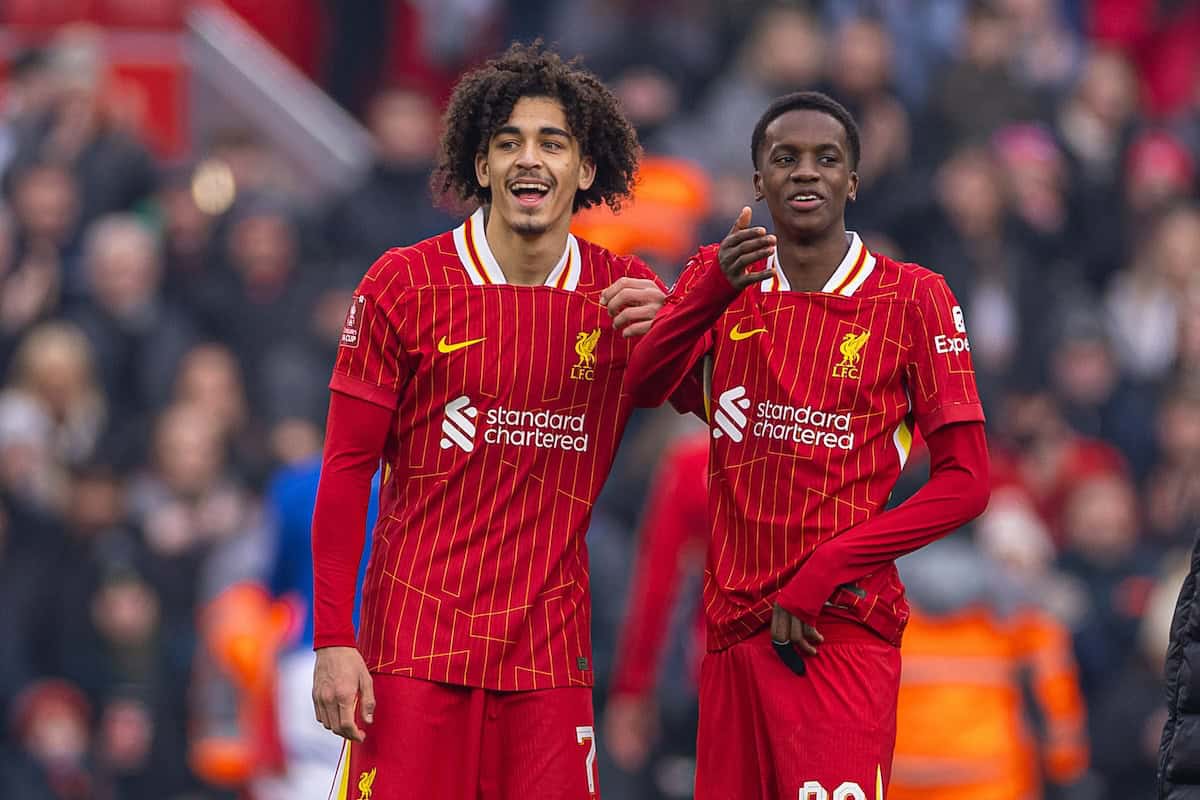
483 367
819 359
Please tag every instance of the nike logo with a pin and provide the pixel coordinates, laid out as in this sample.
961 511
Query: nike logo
737 334
449 347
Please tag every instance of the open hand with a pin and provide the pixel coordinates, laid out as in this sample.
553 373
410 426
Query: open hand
743 247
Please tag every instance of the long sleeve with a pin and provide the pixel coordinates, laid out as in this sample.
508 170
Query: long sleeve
355 435
957 492
681 334
675 521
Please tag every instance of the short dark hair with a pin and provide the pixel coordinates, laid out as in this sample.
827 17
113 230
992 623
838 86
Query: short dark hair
807 101
484 99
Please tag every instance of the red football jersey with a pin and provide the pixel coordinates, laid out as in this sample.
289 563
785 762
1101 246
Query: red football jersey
814 398
508 412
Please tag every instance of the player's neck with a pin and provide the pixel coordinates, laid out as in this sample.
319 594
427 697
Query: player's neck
808 265
526 259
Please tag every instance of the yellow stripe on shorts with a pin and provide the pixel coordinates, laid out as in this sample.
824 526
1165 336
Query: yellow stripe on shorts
340 790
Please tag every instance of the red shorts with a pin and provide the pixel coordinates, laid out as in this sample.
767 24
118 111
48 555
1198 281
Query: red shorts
433 740
766 732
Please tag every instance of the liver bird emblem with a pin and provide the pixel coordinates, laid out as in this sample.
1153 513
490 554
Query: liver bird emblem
851 344
365 782
585 347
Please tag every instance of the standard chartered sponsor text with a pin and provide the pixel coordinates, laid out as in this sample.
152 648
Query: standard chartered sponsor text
541 428
803 425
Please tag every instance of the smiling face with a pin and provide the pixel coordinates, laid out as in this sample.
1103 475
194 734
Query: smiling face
533 167
804 174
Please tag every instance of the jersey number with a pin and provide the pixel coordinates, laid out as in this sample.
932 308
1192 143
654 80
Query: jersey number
584 733
812 790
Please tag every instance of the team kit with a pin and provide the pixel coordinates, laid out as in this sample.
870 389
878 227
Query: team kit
491 371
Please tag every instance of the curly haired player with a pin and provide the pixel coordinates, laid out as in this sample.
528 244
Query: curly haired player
483 368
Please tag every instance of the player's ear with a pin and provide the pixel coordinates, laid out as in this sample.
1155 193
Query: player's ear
587 173
853 193
758 186
481 170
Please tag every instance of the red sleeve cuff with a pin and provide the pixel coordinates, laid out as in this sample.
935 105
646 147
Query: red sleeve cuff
378 395
713 291
334 640
805 594
945 415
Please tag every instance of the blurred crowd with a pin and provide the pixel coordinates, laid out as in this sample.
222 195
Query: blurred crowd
167 331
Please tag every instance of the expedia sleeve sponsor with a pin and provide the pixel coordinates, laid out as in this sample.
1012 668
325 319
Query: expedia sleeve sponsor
940 378
944 344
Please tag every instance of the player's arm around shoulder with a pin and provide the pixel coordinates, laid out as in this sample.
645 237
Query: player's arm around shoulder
645 378
634 298
679 333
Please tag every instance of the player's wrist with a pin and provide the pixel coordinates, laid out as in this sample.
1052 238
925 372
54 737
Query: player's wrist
339 639
714 288
804 598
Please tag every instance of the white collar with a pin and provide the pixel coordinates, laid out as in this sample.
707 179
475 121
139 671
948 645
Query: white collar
470 240
856 267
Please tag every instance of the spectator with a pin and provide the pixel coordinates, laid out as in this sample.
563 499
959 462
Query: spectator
1173 488
31 476
187 503
783 52
965 733
971 236
28 93
137 337
1094 124
54 366
1014 537
209 378
51 726
45 207
1128 725
1159 172
114 170
1038 453
191 270
926 33
978 94
29 289
391 206
268 290
1048 51
1096 398
1142 303
861 78
1036 183
1105 549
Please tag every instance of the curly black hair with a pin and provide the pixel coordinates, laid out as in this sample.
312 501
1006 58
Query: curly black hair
483 100
807 101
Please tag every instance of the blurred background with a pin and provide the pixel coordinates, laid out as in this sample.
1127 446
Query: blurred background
191 190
